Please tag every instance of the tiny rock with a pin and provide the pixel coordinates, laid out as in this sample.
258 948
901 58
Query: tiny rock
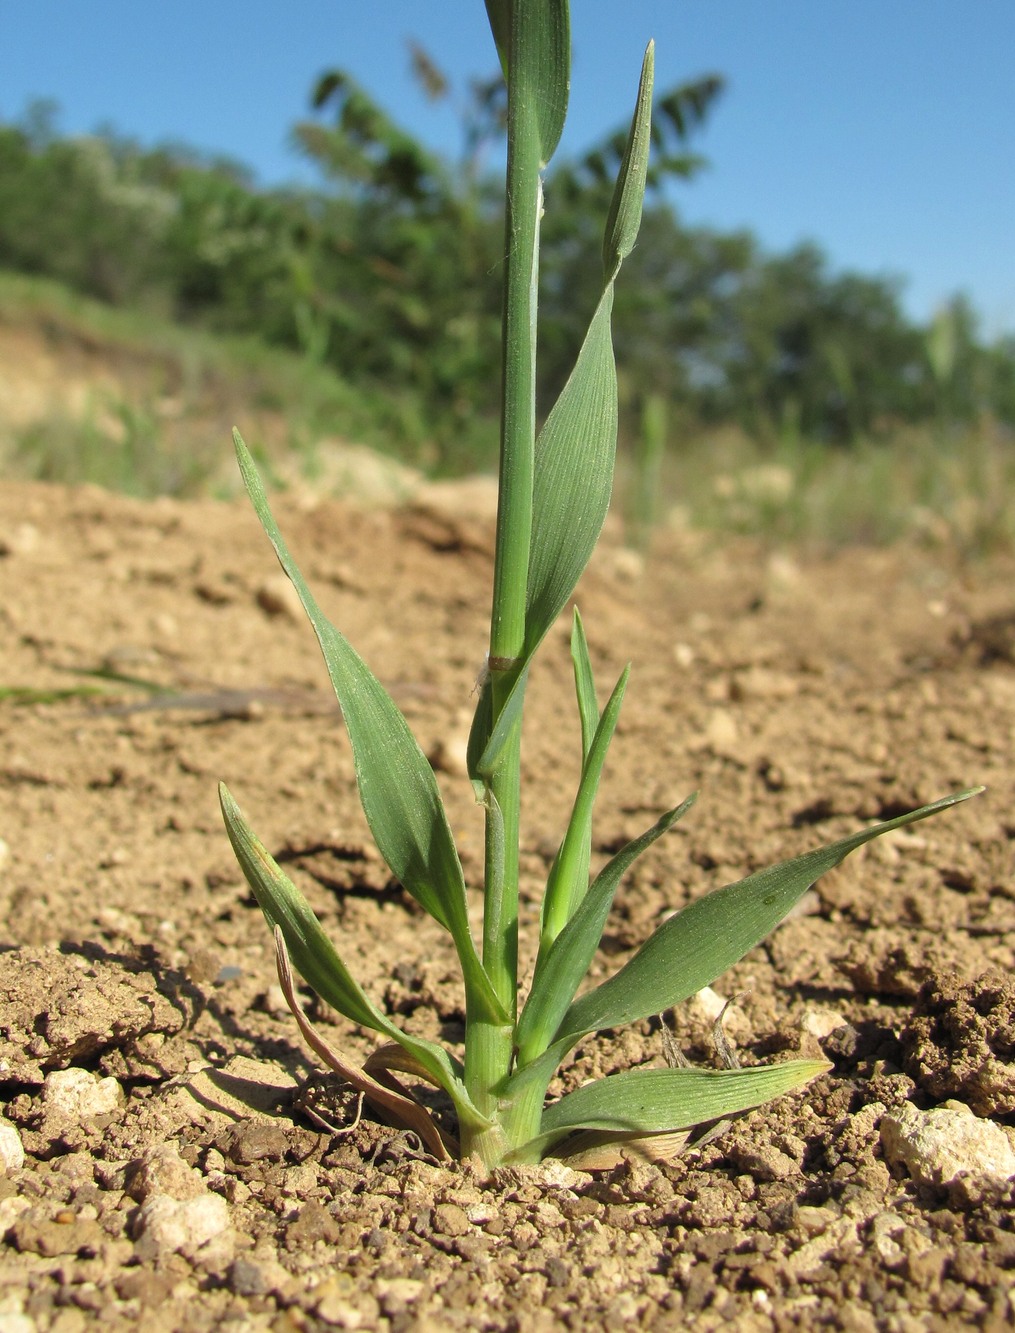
886 1229
683 655
165 1225
12 1154
822 1022
719 734
396 1293
21 539
162 1171
763 683
937 1146
450 754
449 1219
628 565
257 1273
277 597
709 1002
79 1094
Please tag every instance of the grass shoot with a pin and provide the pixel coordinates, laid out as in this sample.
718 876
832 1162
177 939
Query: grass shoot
555 488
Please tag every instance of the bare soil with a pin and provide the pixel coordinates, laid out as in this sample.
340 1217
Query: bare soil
176 1177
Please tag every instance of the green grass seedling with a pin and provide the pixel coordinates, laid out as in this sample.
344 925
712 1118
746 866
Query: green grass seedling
555 489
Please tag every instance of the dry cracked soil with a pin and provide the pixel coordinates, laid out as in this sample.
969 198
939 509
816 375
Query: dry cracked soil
167 1159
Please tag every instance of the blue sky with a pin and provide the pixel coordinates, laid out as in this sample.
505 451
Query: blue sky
882 129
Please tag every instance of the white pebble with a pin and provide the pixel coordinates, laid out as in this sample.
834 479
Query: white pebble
12 1154
13 1318
22 539
78 1094
162 1172
277 597
709 1002
936 1146
821 1022
165 1225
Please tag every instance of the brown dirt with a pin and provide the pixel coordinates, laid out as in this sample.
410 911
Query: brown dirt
800 695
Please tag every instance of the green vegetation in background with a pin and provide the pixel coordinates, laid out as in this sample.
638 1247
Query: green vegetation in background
390 274
181 386
933 484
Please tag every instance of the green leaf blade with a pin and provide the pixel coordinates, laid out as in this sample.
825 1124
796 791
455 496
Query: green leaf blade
584 684
540 60
561 968
397 787
568 878
654 1101
624 219
573 478
316 959
312 952
509 717
498 12
694 947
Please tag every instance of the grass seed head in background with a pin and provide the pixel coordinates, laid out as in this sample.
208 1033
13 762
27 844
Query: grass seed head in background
554 493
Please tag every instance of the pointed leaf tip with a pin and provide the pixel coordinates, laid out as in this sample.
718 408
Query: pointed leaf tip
624 219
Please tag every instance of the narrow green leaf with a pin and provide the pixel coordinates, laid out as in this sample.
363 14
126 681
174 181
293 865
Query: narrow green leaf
653 1101
397 786
499 14
568 880
625 210
574 455
508 718
697 945
572 484
479 738
311 950
316 959
540 60
573 477
560 969
584 684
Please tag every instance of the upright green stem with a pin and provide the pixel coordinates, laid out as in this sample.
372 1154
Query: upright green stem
514 518
489 1049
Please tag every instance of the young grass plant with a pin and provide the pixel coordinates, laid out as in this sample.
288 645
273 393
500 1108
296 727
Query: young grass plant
554 492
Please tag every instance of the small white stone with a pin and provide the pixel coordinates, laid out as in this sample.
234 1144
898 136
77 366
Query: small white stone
721 731
709 1002
451 755
13 1318
936 1146
165 625
814 1220
555 1174
822 1022
628 565
12 1153
277 597
79 1094
5 853
886 1228
11 1209
397 1292
22 539
165 1225
162 1172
